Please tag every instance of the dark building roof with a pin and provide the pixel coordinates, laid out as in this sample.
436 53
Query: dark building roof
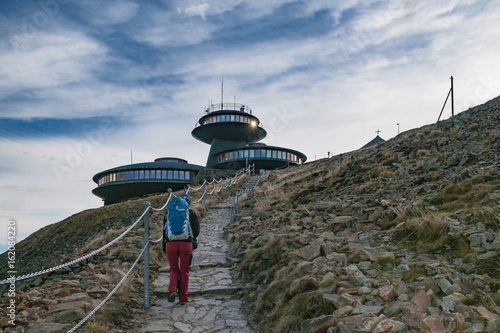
373 142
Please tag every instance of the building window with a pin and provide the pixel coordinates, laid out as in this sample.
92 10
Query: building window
176 174
246 153
252 153
170 174
237 118
240 154
187 174
269 153
274 154
257 153
181 174
146 174
231 155
164 174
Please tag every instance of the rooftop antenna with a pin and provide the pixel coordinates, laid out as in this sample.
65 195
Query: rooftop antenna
222 93
452 101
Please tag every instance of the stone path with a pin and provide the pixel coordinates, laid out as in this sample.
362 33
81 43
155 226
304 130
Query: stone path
212 306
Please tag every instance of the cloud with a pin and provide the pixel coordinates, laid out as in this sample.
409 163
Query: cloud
109 12
164 27
197 10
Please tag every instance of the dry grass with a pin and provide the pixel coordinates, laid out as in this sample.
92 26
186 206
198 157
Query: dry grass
95 327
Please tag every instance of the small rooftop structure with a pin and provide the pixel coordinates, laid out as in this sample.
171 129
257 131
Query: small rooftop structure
373 142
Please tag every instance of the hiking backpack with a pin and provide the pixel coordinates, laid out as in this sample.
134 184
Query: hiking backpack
177 226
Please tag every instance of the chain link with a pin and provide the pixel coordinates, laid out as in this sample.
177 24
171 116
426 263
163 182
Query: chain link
111 293
72 262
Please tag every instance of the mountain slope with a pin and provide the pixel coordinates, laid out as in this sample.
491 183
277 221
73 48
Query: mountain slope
402 235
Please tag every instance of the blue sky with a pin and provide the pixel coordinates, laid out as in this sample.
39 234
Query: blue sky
84 83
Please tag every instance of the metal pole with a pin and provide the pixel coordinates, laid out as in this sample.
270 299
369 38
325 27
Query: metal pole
232 214
204 193
147 204
452 102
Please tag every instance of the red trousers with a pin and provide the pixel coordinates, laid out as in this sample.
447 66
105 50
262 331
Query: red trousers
178 255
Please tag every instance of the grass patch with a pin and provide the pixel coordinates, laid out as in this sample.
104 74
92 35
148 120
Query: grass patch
289 317
427 233
95 327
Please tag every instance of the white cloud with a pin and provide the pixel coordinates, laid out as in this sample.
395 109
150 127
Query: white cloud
166 28
197 10
53 60
112 12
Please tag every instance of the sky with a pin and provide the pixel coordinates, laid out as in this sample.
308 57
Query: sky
89 85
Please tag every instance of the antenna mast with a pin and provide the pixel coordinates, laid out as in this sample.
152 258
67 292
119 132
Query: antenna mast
222 93
450 92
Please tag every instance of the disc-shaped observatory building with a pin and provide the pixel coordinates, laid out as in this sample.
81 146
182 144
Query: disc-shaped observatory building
232 132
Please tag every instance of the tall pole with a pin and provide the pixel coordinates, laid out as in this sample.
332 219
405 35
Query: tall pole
450 92
452 102
147 204
222 93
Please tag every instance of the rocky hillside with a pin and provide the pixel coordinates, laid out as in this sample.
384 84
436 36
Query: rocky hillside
403 236
57 301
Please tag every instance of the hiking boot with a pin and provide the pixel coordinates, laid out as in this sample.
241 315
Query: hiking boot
172 296
183 302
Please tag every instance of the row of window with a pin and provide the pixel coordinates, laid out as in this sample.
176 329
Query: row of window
229 118
258 153
145 174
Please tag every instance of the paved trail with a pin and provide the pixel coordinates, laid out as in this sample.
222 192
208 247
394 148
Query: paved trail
212 306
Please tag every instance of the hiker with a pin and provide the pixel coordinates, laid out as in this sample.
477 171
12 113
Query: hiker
179 249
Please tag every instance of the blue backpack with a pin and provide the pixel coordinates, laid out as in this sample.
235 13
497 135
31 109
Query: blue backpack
177 226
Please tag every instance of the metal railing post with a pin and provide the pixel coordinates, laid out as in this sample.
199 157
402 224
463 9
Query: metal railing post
147 205
204 193
232 214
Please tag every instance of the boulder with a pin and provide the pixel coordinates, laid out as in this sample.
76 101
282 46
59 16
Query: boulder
318 325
